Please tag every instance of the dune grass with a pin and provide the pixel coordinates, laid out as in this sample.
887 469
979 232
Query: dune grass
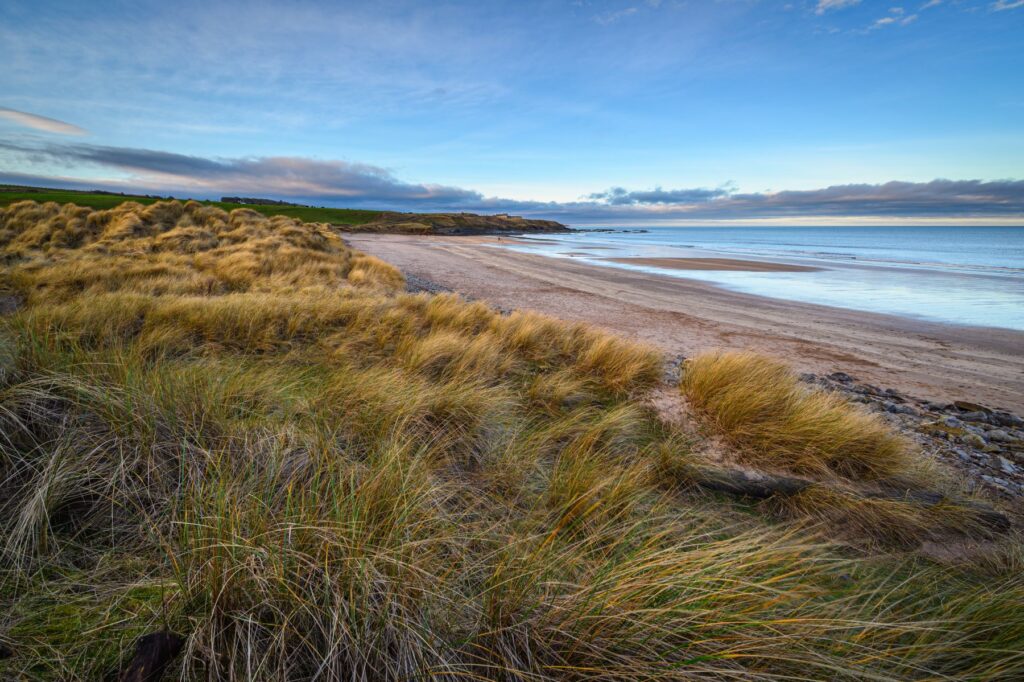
759 405
334 216
238 428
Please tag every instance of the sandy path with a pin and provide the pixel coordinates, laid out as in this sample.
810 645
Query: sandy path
934 361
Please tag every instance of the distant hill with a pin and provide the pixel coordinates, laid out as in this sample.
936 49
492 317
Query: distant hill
349 218
457 223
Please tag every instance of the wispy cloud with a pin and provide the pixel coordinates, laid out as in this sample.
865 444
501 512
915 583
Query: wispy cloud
897 17
1001 5
829 5
365 185
607 18
37 122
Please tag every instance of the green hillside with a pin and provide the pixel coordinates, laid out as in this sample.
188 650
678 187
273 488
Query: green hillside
335 216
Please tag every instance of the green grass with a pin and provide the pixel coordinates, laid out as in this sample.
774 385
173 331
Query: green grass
334 216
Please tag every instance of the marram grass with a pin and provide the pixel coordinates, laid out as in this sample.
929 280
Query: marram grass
238 428
759 405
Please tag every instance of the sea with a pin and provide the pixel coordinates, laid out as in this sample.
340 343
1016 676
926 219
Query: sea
955 275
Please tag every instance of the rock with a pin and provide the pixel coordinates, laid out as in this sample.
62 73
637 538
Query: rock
1000 436
893 393
973 440
952 422
975 417
900 409
808 377
1007 466
10 304
963 455
841 377
1007 419
965 406
153 654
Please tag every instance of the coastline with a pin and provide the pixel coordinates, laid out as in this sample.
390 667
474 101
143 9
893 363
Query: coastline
726 264
932 360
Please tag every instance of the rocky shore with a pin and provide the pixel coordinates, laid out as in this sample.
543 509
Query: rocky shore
984 443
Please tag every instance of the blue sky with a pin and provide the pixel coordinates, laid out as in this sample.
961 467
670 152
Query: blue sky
587 110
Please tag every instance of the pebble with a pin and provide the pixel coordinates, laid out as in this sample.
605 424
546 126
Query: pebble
966 406
1007 419
981 442
1000 436
1007 466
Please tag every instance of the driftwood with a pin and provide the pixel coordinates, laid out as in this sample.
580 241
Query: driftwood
153 653
762 486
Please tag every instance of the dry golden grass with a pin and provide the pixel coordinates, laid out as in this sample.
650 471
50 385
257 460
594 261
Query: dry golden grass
758 404
237 428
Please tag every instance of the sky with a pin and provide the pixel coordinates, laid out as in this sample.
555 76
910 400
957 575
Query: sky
586 111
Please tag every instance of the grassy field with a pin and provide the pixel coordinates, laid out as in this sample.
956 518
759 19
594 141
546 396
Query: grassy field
236 428
334 216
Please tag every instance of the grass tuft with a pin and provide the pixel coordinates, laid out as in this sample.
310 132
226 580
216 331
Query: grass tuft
758 404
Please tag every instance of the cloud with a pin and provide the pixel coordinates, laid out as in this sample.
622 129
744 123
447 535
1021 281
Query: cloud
363 185
1001 5
49 125
829 5
280 176
611 17
930 4
618 196
897 17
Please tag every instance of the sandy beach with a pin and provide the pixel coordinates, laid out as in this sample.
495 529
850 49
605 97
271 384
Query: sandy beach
930 360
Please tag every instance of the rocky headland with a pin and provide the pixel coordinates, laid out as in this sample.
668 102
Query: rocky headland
456 224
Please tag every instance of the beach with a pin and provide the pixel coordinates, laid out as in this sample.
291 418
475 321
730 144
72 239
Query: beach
934 361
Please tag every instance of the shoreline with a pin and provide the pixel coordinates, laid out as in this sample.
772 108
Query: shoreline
723 264
933 360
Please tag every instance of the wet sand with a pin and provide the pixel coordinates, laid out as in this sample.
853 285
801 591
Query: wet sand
730 264
930 360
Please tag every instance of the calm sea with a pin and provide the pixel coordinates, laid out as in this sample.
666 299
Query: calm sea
958 275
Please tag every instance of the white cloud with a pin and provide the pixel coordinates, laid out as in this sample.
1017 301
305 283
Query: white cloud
612 17
47 125
1000 5
828 5
930 4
